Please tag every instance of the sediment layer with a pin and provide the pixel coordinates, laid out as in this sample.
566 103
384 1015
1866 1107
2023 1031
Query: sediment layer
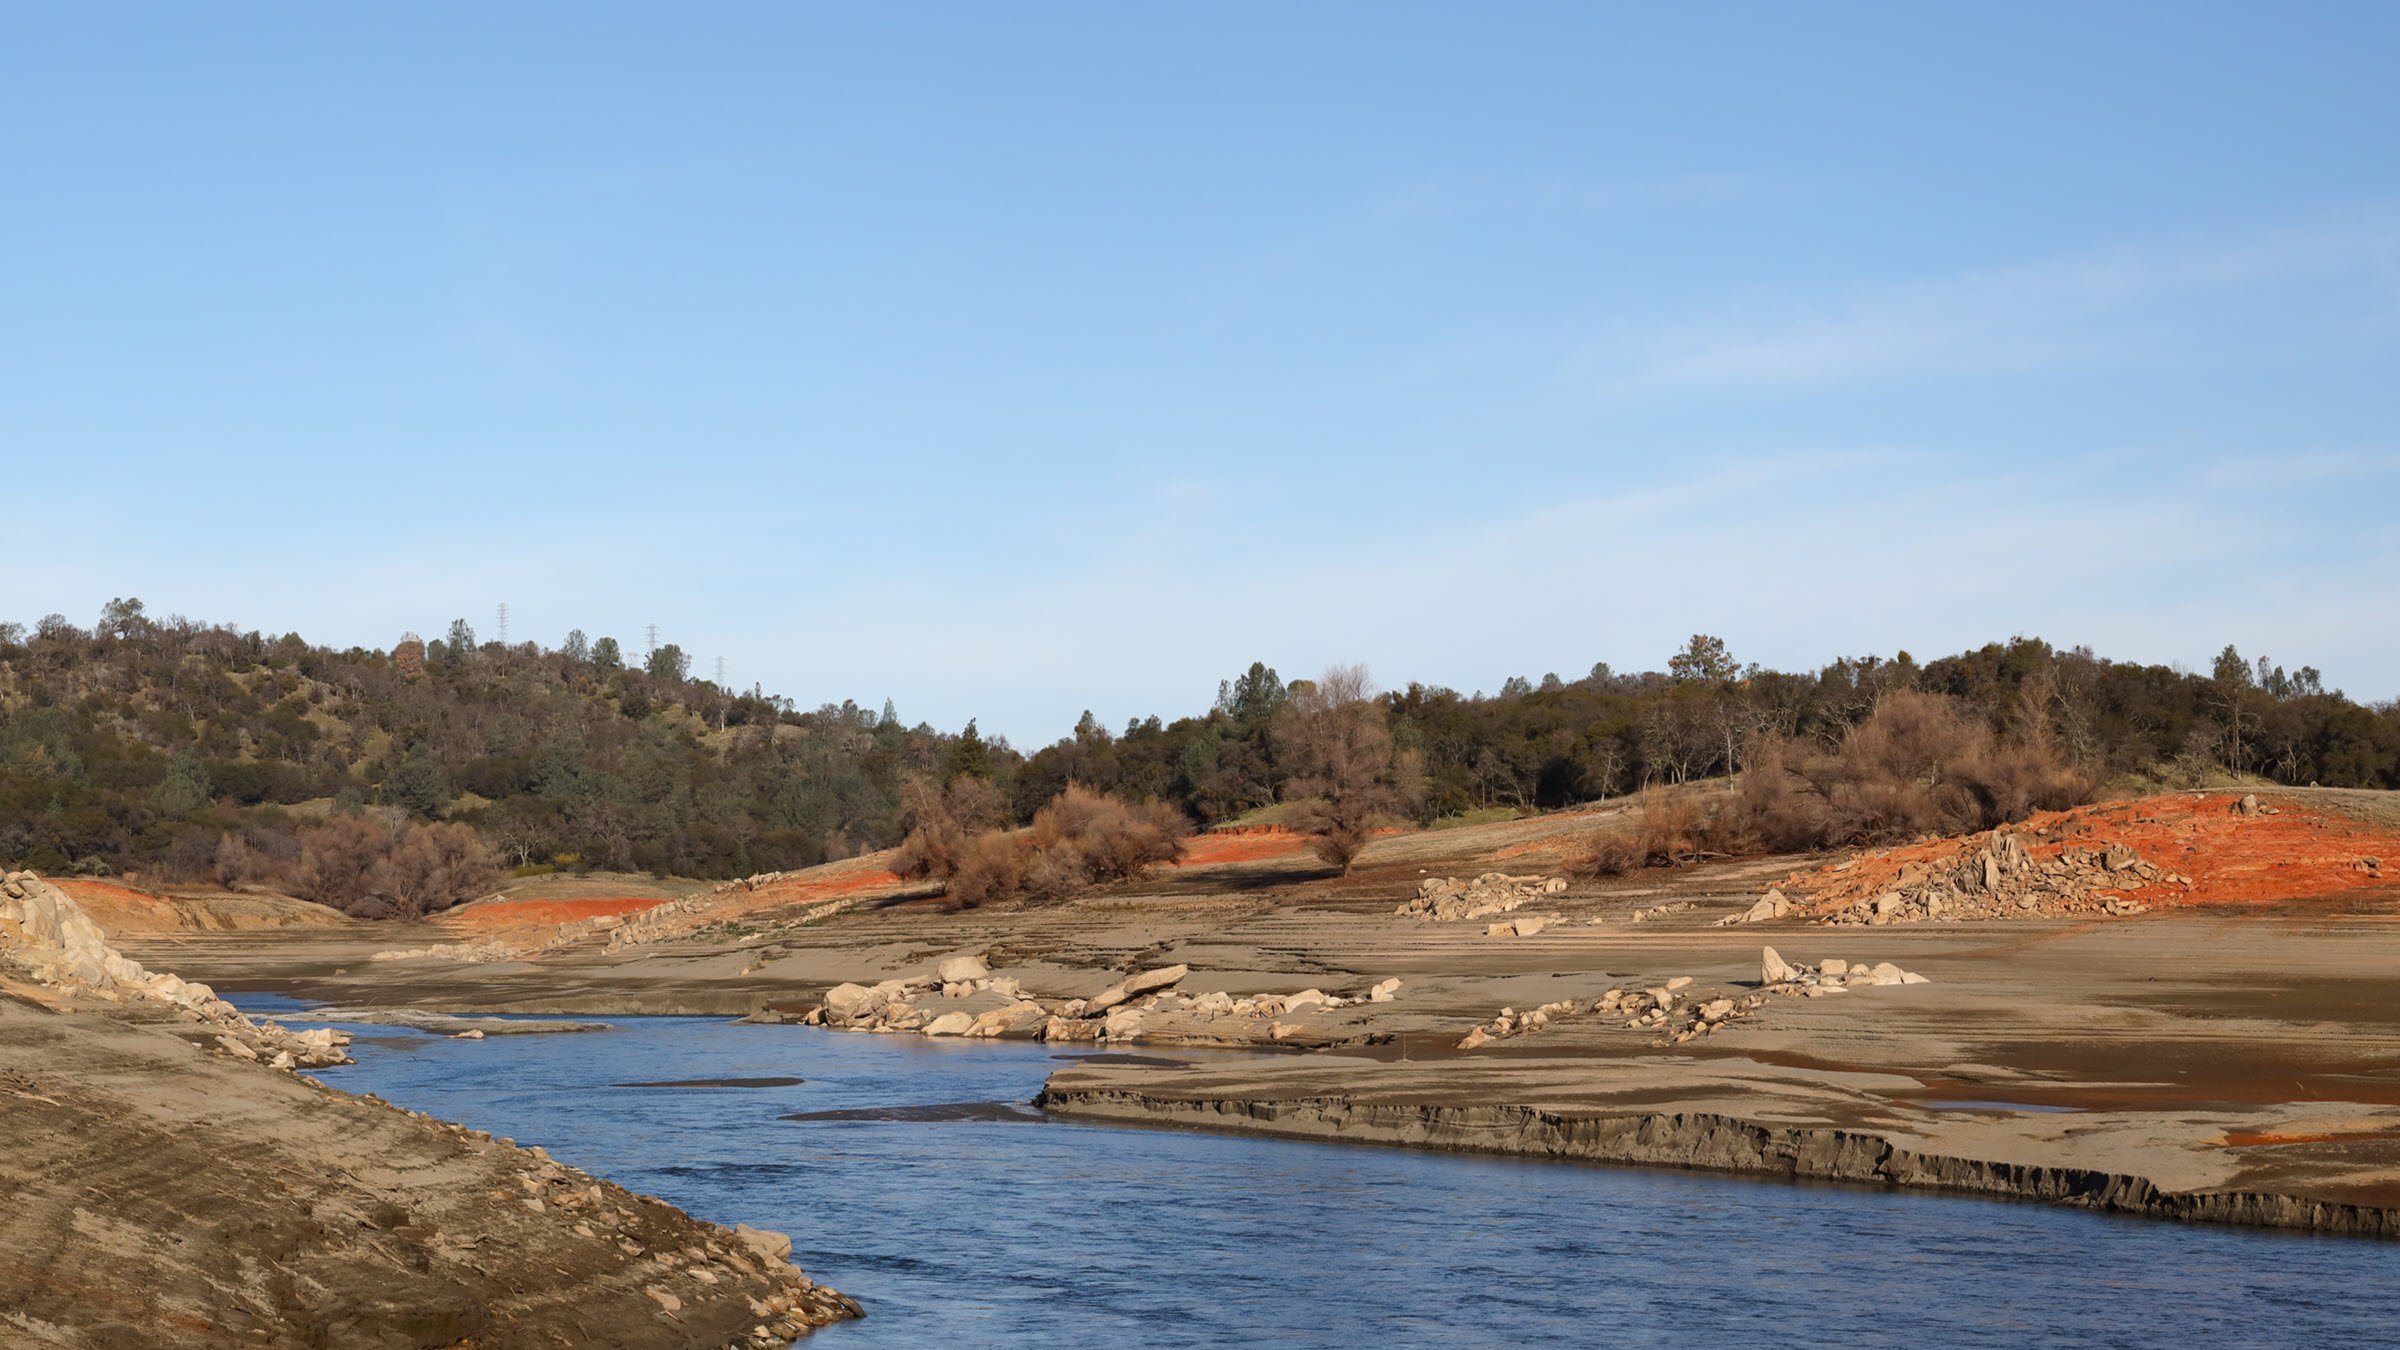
1710 1142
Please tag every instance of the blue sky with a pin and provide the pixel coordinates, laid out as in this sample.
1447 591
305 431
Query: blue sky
1014 360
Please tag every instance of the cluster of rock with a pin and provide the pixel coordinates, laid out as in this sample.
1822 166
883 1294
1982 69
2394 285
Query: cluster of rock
1659 911
706 1259
1833 975
983 1005
974 1003
1445 899
1665 1009
2001 878
47 936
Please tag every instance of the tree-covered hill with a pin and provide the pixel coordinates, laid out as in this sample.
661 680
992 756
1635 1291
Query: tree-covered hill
168 745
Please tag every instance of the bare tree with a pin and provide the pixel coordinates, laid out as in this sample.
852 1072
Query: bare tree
1346 774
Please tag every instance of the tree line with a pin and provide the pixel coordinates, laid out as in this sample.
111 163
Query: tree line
180 748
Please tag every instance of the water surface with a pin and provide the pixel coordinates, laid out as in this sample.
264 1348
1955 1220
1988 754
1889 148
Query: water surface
974 1226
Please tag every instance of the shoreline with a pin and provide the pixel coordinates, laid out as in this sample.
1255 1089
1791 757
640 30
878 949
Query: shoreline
1712 1143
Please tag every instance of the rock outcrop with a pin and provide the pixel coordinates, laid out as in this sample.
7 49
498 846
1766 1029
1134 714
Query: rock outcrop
65 958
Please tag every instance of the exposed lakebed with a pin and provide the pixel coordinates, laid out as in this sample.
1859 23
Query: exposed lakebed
911 1177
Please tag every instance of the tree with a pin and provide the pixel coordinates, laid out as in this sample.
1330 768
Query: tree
1704 658
576 649
1346 774
969 756
891 715
186 787
2230 686
417 786
409 655
668 663
459 644
607 656
122 618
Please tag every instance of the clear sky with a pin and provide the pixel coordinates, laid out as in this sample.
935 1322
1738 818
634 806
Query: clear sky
1012 359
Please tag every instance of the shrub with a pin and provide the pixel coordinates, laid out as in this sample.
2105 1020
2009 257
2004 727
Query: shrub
1081 839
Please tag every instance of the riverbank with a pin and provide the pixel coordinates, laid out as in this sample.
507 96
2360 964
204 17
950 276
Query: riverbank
173 1179
2194 1050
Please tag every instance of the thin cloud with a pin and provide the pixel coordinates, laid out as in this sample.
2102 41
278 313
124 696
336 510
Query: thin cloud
2047 314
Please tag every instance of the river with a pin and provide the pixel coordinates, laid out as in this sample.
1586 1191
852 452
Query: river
1001 1226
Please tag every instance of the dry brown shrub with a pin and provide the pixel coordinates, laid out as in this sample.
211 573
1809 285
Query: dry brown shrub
1080 840
337 861
943 822
433 867
1668 830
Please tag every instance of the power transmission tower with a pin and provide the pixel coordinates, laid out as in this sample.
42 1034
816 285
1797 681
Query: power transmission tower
720 672
652 630
504 623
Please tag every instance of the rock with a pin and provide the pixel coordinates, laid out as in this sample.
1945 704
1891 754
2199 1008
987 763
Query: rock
1384 990
1295 1002
666 1302
1912 977
2247 806
1772 969
1679 982
846 1003
470 1035
1833 965
1120 1023
1216 1003
768 1245
1284 1031
1716 1010
1133 986
1773 905
1885 973
1475 1040
950 1024
961 970
1070 1029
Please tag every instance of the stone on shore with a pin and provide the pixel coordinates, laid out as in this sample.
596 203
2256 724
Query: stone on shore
1773 969
1134 986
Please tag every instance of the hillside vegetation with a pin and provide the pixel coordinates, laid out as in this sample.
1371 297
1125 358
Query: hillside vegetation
194 751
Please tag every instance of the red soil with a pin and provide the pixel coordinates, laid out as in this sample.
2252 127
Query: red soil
826 887
1255 843
2296 854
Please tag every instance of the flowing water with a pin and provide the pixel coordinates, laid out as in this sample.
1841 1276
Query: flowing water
981 1223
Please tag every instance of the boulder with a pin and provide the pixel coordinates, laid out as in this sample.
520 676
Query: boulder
1295 1002
765 1243
1070 1029
1384 990
1833 966
1884 972
1134 986
1772 969
1120 1023
846 1003
961 970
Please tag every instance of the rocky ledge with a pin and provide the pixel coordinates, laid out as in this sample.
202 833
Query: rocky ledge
1707 1142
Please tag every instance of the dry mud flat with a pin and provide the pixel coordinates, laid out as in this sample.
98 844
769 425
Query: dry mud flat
2236 1062
166 1186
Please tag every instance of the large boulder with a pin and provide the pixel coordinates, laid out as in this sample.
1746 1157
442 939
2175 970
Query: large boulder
1134 986
847 1003
950 1024
962 970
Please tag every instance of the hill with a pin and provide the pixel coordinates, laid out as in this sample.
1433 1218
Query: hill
170 750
